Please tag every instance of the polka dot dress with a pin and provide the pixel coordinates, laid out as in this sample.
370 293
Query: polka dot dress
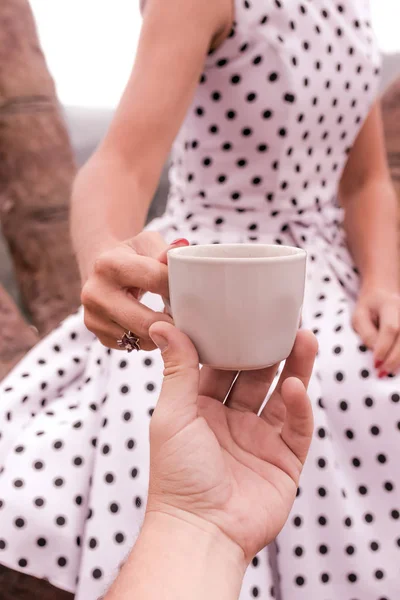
258 159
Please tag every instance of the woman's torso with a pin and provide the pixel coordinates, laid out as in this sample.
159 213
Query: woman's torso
274 117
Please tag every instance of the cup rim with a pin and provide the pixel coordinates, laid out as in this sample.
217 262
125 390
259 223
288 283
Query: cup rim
182 254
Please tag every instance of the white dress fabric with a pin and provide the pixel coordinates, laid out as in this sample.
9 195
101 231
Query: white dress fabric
258 159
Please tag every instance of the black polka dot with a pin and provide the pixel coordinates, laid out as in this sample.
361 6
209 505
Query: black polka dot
19 522
127 416
374 546
92 543
97 574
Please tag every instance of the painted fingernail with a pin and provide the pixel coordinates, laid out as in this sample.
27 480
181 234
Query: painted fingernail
383 374
180 242
378 364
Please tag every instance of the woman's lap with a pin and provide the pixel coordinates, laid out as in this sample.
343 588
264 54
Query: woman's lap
96 481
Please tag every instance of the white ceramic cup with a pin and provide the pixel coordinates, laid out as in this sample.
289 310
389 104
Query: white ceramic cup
240 304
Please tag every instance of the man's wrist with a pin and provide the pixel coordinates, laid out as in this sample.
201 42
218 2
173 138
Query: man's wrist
210 541
178 557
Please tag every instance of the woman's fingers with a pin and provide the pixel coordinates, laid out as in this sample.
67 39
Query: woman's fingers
298 365
128 270
364 325
111 312
148 243
392 362
133 316
105 330
298 423
389 327
180 243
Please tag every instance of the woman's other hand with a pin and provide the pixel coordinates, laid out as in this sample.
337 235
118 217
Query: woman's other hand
221 467
120 276
376 319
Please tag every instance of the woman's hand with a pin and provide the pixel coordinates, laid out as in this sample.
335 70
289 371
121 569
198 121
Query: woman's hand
376 319
120 276
221 467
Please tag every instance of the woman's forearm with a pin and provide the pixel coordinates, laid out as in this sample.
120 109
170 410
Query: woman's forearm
108 205
371 223
175 560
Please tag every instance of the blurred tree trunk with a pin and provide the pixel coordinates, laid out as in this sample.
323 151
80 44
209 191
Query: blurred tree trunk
16 336
36 172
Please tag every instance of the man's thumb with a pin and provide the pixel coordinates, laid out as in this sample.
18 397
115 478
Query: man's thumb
181 368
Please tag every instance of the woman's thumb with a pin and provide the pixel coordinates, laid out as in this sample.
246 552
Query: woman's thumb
180 385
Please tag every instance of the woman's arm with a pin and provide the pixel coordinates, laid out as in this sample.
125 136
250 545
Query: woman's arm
113 191
371 222
370 203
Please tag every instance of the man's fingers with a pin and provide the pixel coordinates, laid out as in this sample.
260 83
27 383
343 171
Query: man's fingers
177 405
299 365
364 325
298 424
250 389
300 362
215 384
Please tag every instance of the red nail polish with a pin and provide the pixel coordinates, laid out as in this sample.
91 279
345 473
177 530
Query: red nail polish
180 241
383 374
378 364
